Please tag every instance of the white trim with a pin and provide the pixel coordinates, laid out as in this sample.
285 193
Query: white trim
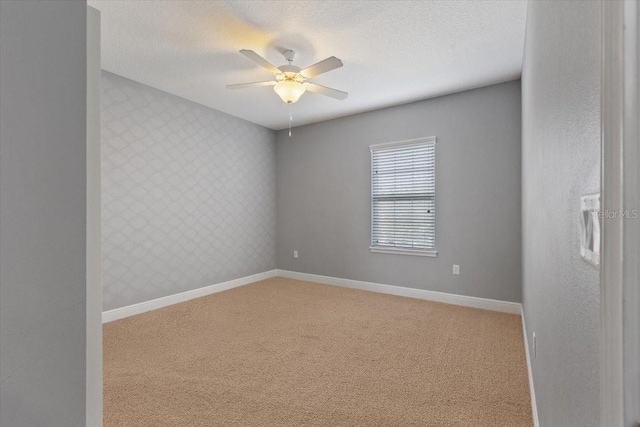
406 143
131 310
467 301
532 390
401 251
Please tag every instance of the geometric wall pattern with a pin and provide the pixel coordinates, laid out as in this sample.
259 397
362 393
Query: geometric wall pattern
188 194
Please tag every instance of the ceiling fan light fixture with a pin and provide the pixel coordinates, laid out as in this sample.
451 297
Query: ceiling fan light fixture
289 90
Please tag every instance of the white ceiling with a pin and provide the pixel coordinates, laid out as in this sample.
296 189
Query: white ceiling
393 51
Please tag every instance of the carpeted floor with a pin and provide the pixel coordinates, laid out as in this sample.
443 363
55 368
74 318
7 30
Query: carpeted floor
283 352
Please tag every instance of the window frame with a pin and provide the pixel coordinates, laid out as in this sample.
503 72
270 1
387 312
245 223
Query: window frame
390 249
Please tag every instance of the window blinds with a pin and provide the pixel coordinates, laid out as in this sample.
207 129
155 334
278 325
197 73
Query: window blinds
403 193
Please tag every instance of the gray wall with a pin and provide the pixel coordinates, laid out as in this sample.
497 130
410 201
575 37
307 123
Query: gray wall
561 162
42 213
188 194
94 234
324 190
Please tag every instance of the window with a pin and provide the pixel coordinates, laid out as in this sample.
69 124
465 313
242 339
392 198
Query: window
403 197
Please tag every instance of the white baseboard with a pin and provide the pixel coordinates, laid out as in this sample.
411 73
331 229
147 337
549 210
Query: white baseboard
130 310
475 302
532 391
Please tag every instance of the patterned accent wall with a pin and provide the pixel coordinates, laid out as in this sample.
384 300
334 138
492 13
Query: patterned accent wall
188 194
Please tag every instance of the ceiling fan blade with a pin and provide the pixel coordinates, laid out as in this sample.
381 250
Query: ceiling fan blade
327 91
252 84
260 60
323 66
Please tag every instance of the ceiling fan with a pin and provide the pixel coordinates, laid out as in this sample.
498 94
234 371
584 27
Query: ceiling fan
291 81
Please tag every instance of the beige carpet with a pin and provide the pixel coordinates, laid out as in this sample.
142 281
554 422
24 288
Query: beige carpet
283 352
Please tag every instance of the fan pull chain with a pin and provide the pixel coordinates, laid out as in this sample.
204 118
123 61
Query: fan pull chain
290 119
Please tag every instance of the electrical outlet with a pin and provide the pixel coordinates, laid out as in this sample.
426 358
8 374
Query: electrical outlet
456 269
534 345
295 254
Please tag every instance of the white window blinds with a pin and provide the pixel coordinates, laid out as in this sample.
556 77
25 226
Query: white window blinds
403 195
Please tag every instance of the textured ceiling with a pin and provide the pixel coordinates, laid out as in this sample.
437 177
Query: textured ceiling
393 51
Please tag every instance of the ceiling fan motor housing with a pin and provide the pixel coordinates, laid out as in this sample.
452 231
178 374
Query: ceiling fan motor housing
289 69
290 72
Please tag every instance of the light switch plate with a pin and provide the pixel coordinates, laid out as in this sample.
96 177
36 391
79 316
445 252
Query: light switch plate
590 228
456 269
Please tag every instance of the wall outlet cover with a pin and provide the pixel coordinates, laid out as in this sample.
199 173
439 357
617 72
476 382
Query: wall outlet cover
456 269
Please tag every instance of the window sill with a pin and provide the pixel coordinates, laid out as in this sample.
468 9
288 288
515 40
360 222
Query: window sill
400 251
